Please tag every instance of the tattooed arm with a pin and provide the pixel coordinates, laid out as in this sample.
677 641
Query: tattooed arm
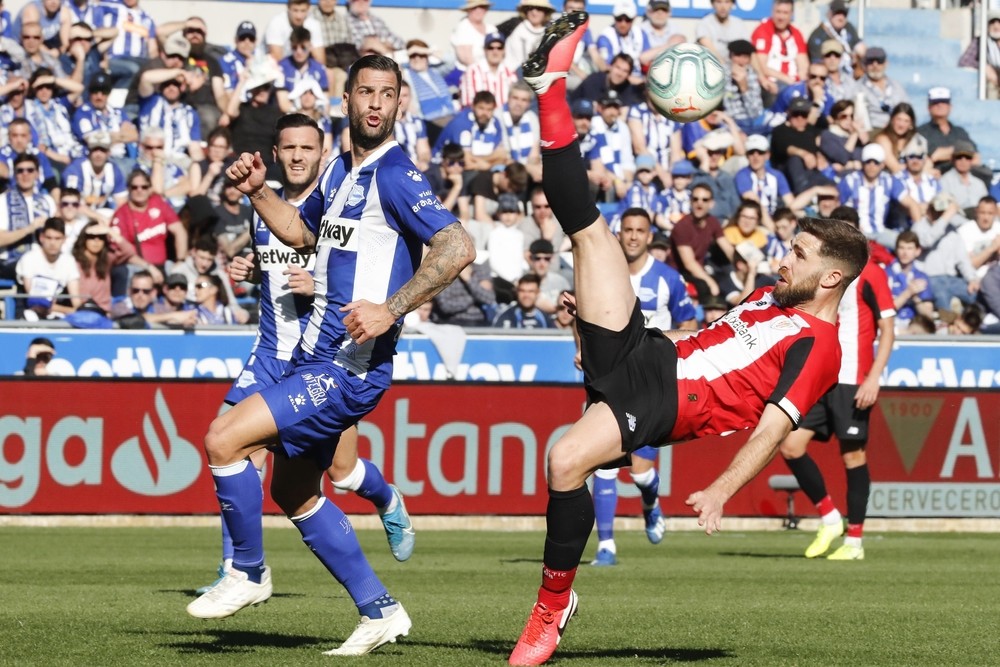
451 250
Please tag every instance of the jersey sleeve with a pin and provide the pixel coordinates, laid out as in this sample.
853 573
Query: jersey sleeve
679 303
73 176
783 188
808 371
882 302
412 202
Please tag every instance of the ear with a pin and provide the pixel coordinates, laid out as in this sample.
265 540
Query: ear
832 278
343 104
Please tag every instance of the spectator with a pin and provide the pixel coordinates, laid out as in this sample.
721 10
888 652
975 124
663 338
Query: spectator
794 147
624 36
162 105
746 227
941 134
135 42
523 313
541 257
411 131
656 136
520 124
96 253
586 59
916 178
871 191
540 224
236 59
171 180
100 182
75 214
742 277
840 84
642 193
22 212
660 35
881 93
836 27
202 261
717 30
300 66
212 301
675 201
991 298
432 99
20 141
39 354
254 112
743 99
782 56
695 134
479 132
785 227
46 274
174 304
487 186
468 301
82 57
49 115
982 236
895 139
207 176
334 28
959 181
693 238
617 153
535 15
841 142
34 55
761 183
96 115
722 183
309 99
13 92
51 18
141 303
565 318
911 287
970 58
370 31
592 145
206 88
615 82
967 323
470 36
489 72
448 180
945 257
505 245
146 220
278 33
812 89
235 220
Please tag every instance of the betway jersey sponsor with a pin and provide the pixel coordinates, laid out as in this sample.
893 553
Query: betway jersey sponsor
371 222
283 315
757 353
867 300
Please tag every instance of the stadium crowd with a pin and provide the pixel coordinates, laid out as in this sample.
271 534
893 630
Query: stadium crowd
115 131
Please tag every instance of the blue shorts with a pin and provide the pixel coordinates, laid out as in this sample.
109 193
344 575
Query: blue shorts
262 370
313 404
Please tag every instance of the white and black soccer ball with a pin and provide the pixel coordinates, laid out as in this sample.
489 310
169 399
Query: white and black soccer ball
686 82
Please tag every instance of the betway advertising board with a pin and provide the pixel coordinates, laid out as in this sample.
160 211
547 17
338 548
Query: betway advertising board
92 447
929 362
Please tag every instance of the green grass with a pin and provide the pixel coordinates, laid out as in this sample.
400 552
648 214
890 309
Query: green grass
116 596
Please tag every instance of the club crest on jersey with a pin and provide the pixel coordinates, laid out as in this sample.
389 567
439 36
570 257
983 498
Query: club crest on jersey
339 233
415 175
356 195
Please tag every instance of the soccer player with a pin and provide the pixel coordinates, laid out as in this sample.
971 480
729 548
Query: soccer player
665 305
760 366
286 286
368 220
866 309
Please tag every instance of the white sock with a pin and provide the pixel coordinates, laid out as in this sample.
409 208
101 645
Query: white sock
852 541
353 481
833 518
607 544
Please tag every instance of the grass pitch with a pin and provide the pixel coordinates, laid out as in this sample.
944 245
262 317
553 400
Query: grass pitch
116 596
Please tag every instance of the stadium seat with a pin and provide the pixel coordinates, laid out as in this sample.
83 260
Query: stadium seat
789 485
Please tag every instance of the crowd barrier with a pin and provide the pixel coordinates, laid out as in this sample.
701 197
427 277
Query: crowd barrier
928 362
85 446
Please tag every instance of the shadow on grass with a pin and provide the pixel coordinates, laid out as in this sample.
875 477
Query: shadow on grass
192 593
751 554
505 646
514 561
241 641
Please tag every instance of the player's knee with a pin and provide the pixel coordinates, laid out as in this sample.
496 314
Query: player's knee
565 472
216 444
854 455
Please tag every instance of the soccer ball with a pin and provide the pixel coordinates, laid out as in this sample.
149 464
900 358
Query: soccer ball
686 82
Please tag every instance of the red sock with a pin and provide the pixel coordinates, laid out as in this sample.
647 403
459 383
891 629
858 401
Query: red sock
855 530
555 588
826 506
555 122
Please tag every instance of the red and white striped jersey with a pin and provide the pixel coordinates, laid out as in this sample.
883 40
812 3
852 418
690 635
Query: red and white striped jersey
867 300
779 49
479 77
757 353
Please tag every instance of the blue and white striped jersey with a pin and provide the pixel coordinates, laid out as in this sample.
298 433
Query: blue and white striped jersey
98 190
657 130
662 295
180 123
371 222
136 29
283 315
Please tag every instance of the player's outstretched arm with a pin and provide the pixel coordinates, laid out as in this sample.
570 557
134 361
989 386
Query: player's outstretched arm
774 425
247 173
450 251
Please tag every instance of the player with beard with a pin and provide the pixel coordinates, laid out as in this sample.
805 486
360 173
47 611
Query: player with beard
286 287
367 220
761 366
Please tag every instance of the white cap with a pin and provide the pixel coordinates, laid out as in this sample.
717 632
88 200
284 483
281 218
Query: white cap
750 252
624 8
938 94
757 142
305 85
873 152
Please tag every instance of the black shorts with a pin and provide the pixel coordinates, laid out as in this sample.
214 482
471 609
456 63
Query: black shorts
836 414
634 371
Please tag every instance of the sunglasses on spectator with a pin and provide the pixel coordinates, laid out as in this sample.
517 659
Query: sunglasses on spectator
143 290
139 186
963 157
846 116
182 286
69 202
818 77
25 170
874 61
917 156
194 31
798 114
455 163
300 47
831 54
872 162
152 147
623 18
90 237
755 152
31 37
495 47
541 258
247 37
701 199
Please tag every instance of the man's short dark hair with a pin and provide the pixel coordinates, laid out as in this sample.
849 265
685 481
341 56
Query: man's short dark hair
291 120
207 243
484 96
908 236
140 274
56 225
19 121
73 192
840 241
637 212
300 35
703 186
624 57
453 152
25 157
517 176
782 213
376 62
988 199
847 214
532 278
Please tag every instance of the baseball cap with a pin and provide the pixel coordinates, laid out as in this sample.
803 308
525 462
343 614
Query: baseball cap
583 108
938 94
177 45
100 82
875 53
756 142
718 140
541 247
682 168
660 240
99 140
495 38
246 29
610 101
963 147
175 279
741 47
799 105
645 163
624 8
838 7
658 4
873 152
831 46
993 15
508 202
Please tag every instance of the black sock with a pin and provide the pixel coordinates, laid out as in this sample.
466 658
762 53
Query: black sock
859 486
809 477
568 520
565 184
